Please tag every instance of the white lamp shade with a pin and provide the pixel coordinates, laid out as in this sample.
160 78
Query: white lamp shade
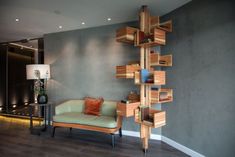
44 70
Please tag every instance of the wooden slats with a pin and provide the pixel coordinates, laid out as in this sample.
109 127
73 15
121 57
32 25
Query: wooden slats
127 110
155 23
159 118
126 71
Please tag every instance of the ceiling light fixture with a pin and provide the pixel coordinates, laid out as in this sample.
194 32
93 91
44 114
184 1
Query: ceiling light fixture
109 19
17 20
23 46
83 23
60 27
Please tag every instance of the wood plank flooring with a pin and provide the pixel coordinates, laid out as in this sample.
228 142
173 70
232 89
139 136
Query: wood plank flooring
16 141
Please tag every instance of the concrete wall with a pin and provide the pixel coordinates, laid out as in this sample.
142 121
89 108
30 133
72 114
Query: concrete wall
203 77
83 63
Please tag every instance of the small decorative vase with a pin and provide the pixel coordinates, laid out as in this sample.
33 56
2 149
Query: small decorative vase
42 98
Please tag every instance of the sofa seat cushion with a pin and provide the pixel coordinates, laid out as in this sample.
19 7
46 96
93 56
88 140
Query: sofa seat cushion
84 119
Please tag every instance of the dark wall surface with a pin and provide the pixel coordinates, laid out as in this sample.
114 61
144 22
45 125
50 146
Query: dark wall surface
3 59
203 77
14 88
83 63
19 88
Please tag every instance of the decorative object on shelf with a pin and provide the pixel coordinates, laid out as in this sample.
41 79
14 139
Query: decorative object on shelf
151 33
38 72
125 101
133 97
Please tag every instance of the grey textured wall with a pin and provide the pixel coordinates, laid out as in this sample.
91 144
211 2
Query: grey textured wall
83 63
203 77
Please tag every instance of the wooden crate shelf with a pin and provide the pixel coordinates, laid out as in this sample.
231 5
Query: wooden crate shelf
150 33
157 77
159 118
127 110
161 95
155 23
126 71
126 35
155 38
166 26
157 60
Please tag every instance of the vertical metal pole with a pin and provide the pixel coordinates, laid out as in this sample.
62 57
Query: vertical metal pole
49 115
31 117
45 117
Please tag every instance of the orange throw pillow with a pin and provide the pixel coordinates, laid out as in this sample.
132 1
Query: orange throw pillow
93 105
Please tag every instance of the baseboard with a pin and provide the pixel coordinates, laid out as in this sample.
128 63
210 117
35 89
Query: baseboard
171 142
181 147
137 134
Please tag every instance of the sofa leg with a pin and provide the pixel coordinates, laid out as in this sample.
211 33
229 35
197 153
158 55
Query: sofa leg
53 131
113 140
70 130
120 132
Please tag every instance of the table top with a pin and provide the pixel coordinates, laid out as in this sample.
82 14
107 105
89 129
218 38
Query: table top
36 104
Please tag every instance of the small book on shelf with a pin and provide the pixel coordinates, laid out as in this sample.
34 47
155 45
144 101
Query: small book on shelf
125 101
162 62
154 88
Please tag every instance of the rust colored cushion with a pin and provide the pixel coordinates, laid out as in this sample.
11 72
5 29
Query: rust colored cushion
93 105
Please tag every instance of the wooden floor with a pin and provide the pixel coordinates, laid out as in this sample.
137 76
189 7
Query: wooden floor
16 141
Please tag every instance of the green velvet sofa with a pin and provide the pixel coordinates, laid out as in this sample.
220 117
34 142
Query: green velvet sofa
70 114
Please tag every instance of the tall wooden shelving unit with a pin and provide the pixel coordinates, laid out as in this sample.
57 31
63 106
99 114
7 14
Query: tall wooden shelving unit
151 33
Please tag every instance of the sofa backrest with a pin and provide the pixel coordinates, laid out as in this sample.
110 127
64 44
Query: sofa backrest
108 108
70 106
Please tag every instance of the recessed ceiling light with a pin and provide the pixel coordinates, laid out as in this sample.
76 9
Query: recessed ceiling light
109 19
17 20
83 23
60 27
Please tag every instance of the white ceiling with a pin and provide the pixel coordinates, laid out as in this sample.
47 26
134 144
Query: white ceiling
38 17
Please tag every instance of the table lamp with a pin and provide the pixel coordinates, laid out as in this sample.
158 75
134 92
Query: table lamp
38 72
